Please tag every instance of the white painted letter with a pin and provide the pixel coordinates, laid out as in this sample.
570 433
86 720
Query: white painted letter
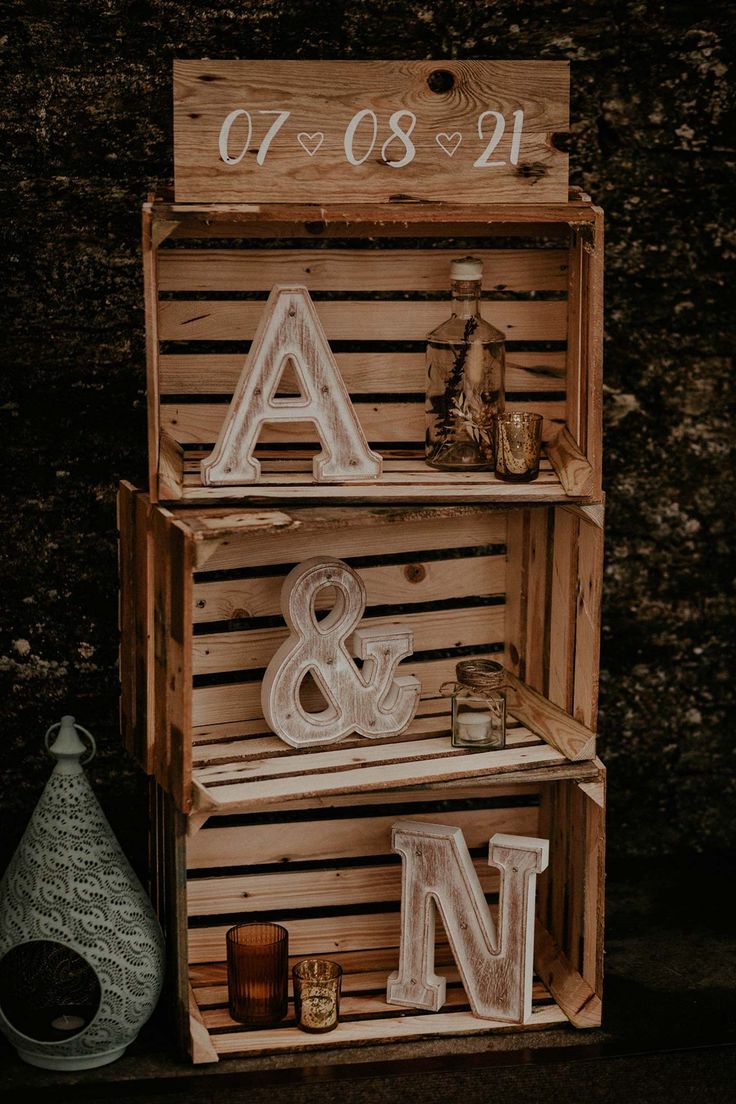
496 968
289 329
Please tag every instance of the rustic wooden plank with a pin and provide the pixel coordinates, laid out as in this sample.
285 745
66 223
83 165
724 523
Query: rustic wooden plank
588 622
573 469
171 465
423 270
339 888
385 775
364 373
369 981
312 936
358 320
562 609
537 583
245 650
418 581
594 904
593 302
381 1031
316 762
150 304
232 703
293 537
199 423
200 1047
367 220
309 155
548 721
571 992
262 746
322 840
172 680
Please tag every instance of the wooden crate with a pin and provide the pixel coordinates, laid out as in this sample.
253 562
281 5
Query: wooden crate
519 584
380 276
329 875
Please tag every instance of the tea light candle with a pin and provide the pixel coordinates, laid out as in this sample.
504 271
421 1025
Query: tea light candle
474 727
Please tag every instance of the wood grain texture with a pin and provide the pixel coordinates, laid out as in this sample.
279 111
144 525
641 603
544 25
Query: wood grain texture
416 270
357 320
322 97
364 373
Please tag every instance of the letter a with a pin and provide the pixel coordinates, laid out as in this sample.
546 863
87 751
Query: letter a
289 330
496 969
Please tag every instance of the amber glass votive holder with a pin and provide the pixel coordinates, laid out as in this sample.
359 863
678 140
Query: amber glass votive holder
317 985
517 442
258 973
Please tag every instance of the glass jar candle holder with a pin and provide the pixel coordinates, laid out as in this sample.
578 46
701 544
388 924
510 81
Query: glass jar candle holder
517 437
317 984
258 973
478 705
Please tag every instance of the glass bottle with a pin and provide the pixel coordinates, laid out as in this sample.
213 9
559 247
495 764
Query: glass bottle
465 378
479 705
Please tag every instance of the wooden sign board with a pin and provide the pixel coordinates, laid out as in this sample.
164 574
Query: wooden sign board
370 131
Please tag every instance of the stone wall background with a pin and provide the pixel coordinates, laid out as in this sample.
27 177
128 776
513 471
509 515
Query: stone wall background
87 123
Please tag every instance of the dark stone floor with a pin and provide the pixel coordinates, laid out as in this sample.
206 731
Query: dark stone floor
668 1035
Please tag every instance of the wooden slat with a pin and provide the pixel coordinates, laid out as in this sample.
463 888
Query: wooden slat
517 571
322 840
548 721
369 220
318 888
216 653
258 746
364 373
594 904
341 532
423 270
536 607
199 423
236 702
313 936
419 581
383 776
562 610
365 754
172 669
380 1030
588 622
381 320
369 981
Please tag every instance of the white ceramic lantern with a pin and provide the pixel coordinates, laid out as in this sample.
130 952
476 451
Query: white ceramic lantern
81 951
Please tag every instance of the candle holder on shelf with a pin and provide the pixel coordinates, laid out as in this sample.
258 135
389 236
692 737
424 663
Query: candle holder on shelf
478 705
317 984
517 438
258 973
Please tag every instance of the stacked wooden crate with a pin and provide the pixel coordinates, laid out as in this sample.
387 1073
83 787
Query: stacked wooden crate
246 826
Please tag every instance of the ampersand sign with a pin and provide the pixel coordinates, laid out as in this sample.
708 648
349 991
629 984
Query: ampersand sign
372 700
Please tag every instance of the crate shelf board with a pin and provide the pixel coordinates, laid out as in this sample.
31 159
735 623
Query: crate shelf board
360 765
365 1018
401 481
546 290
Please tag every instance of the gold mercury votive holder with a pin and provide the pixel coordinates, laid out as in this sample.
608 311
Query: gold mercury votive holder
317 984
517 442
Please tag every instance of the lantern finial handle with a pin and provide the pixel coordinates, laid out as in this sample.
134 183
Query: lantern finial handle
68 748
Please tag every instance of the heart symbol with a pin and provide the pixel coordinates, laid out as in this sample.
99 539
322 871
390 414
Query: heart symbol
310 143
448 143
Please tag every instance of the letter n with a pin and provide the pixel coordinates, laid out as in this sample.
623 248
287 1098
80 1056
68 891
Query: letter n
495 966
290 331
